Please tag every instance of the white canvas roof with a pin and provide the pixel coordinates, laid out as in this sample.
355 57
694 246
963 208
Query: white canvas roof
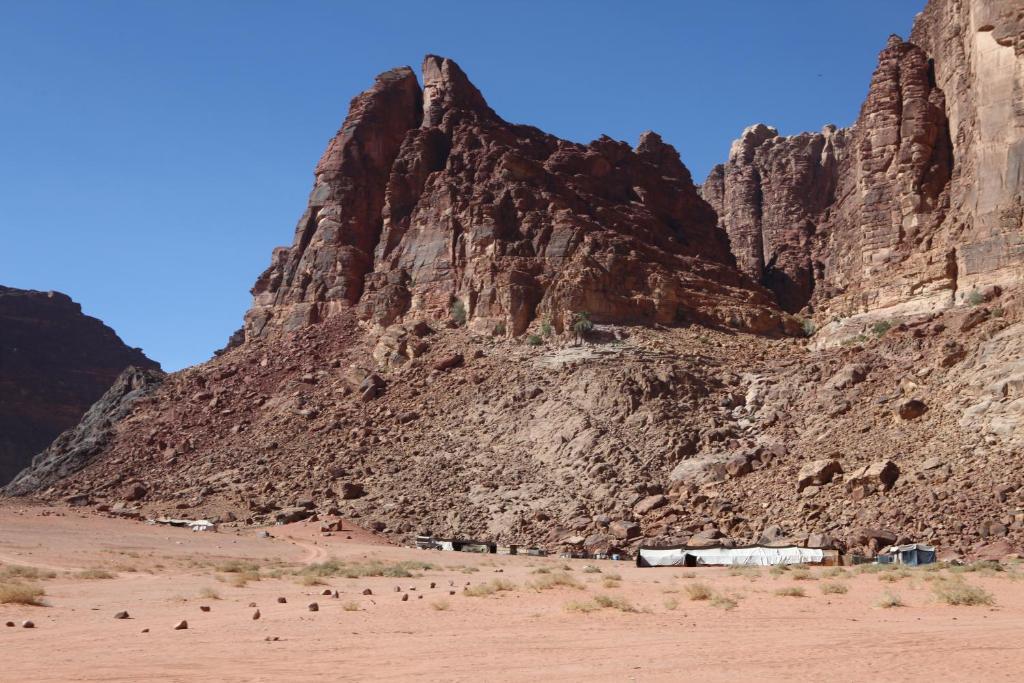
753 556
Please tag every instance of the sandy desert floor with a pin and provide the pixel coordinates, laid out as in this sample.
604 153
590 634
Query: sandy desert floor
522 618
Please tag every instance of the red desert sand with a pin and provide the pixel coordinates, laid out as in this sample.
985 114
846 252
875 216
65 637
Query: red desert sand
486 617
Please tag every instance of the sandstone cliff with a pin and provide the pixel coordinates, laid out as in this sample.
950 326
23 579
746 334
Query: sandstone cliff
54 363
914 207
429 200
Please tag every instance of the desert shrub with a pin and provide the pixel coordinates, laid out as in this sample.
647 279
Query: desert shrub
889 599
542 570
959 592
671 603
687 575
881 327
458 313
893 575
748 572
975 298
440 605
534 340
209 593
546 329
582 324
482 590
614 602
723 602
356 570
18 593
609 582
350 606
555 580
585 606
17 571
591 569
802 574
833 572
310 580
834 587
94 574
238 567
699 591
808 327
791 592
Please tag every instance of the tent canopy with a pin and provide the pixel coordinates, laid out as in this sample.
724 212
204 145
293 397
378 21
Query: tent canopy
754 556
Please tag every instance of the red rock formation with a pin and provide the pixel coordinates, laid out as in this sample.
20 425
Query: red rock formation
916 205
54 363
458 205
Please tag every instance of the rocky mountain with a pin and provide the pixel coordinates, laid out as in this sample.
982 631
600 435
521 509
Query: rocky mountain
481 329
915 208
54 363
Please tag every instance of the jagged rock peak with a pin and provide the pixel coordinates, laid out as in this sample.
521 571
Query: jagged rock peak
446 87
750 140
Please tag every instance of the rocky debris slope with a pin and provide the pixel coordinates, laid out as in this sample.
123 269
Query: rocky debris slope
427 201
54 363
639 435
72 450
917 205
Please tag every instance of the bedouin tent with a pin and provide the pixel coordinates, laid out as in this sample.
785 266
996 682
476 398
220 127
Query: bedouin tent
755 556
911 554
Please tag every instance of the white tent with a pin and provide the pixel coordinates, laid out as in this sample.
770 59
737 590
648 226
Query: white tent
759 556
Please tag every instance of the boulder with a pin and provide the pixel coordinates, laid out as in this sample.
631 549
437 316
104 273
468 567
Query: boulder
448 362
911 409
624 530
878 476
817 473
649 503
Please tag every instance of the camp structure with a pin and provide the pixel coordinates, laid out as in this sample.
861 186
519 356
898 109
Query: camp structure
458 545
720 556
911 554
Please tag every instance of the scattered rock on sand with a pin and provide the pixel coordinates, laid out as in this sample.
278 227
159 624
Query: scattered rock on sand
9 624
313 607
204 608
121 615
911 409
181 625
282 600
405 597
256 615
326 591
367 591
28 623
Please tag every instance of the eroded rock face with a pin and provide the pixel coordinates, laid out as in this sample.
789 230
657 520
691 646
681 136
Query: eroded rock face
428 199
916 205
54 363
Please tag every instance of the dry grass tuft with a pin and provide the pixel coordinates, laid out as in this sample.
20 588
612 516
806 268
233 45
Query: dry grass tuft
209 593
834 587
94 574
893 576
890 599
591 569
17 571
482 590
699 591
441 605
723 602
614 602
671 603
356 570
350 606
958 592
791 592
17 593
549 581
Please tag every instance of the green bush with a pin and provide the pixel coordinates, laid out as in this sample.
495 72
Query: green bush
458 313
534 340
546 329
881 327
975 298
500 329
581 323
809 327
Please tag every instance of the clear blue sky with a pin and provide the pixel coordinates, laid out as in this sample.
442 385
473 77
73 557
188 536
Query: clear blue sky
153 153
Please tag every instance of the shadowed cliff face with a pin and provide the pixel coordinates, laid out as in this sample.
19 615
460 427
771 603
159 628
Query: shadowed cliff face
425 198
54 362
917 204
